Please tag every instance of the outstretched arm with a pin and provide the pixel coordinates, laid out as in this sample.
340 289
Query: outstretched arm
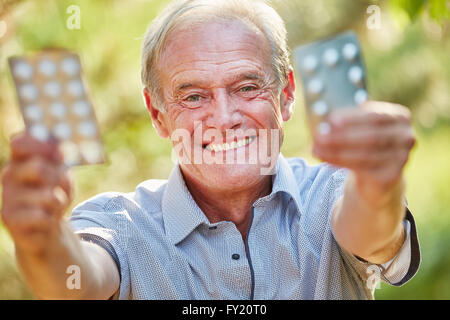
374 142
36 191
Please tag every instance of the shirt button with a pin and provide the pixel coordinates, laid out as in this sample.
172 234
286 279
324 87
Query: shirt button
235 256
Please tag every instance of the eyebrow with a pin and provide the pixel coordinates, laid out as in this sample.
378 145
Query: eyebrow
234 79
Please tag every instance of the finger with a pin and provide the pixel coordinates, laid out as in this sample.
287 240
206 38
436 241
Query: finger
20 220
66 181
53 200
34 171
24 146
361 158
369 137
373 113
13 175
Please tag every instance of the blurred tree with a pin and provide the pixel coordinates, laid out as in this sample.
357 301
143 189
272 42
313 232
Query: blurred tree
407 65
439 10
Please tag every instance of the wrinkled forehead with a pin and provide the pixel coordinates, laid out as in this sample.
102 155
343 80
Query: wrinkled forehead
215 43
202 17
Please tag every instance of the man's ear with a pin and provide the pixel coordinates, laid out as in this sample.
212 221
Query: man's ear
158 117
288 97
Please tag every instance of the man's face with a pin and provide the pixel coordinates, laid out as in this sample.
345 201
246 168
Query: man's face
218 86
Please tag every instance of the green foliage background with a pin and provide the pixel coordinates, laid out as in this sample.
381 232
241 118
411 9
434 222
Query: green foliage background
407 61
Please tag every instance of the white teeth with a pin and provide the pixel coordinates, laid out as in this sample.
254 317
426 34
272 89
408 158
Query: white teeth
216 147
229 146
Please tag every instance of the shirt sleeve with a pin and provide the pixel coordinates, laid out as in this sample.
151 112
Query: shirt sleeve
398 270
395 269
94 222
406 263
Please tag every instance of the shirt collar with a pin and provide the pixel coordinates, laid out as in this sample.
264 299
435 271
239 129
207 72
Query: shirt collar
182 215
284 181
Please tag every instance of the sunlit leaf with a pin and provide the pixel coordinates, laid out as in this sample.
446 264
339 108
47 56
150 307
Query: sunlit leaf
412 7
439 9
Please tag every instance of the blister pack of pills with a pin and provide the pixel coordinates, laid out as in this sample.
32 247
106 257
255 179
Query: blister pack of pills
54 104
333 77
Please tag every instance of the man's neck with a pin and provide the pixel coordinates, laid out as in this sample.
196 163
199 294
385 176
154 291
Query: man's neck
228 205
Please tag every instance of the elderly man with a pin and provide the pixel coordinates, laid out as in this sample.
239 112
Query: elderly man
221 228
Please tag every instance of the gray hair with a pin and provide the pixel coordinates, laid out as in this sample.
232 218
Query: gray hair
256 13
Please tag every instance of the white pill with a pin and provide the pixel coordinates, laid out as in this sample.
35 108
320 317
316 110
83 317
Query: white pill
70 66
350 51
28 92
52 89
62 131
361 96
310 63
23 70
58 110
355 75
39 132
331 57
87 128
71 153
324 128
47 67
33 112
81 108
75 88
315 86
320 108
92 151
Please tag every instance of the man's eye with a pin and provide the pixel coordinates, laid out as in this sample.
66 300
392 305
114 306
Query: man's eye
247 89
193 98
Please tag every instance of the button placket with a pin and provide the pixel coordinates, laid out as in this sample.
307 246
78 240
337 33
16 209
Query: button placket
239 267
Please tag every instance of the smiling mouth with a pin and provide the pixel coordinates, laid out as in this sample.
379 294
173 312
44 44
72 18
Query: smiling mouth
229 145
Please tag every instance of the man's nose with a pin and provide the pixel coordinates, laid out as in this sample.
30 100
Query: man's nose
223 113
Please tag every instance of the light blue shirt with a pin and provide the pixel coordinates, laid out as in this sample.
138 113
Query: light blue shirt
165 247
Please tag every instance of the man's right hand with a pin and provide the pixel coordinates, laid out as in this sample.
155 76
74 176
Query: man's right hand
36 193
